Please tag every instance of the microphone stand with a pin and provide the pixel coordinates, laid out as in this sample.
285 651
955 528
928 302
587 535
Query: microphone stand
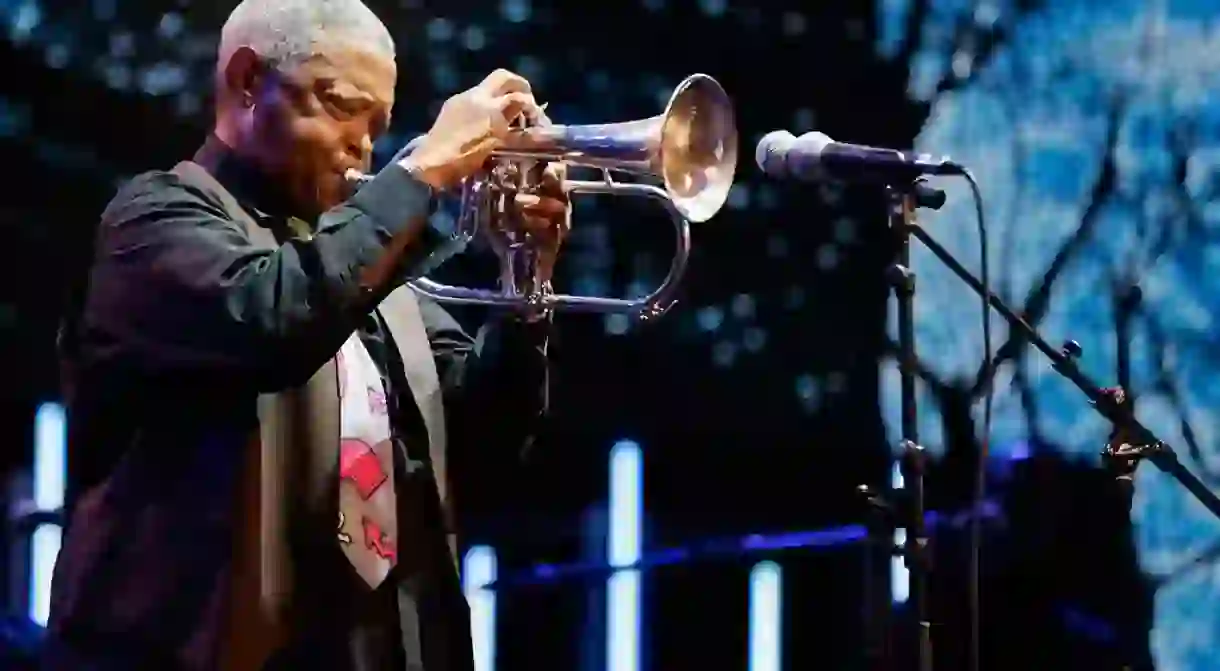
1130 441
1111 405
908 508
903 204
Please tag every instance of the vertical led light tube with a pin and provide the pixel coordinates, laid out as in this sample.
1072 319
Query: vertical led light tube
50 475
479 571
766 617
624 548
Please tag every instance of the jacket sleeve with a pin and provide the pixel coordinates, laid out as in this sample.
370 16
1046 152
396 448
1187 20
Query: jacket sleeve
495 385
178 287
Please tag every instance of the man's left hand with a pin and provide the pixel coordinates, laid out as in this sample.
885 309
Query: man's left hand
547 215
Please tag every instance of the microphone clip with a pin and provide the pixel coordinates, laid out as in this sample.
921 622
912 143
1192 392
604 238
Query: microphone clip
922 194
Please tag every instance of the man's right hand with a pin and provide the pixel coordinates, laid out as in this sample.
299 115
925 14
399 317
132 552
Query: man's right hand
469 127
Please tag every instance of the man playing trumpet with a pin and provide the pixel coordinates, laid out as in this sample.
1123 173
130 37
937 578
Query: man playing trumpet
278 403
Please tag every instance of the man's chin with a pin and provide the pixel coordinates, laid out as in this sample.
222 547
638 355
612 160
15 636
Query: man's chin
343 187
330 195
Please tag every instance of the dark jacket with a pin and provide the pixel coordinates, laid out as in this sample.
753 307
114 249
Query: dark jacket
202 358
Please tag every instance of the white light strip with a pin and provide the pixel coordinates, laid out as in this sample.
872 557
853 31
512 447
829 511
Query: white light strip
44 546
900 577
478 571
50 464
623 587
50 456
766 617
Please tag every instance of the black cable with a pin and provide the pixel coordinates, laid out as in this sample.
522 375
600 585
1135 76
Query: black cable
980 477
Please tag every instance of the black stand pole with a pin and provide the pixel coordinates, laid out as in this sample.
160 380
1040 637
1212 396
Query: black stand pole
903 204
1131 441
915 549
907 510
878 552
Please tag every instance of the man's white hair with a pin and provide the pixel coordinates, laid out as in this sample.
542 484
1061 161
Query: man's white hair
289 32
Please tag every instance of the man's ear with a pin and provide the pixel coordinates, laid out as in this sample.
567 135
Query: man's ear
244 75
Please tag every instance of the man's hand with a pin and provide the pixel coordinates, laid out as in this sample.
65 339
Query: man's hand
469 127
547 216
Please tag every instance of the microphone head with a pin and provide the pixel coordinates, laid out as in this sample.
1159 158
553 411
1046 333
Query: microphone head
812 144
772 151
779 154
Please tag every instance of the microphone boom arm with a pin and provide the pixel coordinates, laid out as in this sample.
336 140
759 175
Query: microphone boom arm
1111 404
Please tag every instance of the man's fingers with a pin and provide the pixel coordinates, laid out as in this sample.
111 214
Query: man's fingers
545 228
540 206
542 119
504 81
513 105
553 177
546 217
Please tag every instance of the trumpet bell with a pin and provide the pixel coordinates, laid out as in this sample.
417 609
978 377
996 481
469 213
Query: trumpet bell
691 147
697 152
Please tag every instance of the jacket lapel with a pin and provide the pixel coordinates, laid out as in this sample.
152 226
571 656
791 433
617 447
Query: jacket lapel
400 310
289 486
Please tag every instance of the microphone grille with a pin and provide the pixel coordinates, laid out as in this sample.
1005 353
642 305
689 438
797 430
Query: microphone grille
772 150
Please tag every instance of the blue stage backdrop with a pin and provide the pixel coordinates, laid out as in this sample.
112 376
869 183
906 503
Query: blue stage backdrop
1095 131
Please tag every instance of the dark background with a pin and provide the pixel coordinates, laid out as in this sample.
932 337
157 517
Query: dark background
756 400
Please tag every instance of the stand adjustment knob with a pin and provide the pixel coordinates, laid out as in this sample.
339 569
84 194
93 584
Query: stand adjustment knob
1071 349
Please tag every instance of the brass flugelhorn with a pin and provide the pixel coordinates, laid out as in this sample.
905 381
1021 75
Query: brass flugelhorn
690 148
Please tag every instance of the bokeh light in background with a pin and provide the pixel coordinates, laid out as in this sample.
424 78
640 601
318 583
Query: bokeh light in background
1099 158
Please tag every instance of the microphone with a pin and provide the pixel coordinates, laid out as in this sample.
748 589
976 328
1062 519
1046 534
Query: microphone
815 157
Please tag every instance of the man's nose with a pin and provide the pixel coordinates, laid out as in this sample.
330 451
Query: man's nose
360 146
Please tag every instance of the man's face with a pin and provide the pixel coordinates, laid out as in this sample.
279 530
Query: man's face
314 122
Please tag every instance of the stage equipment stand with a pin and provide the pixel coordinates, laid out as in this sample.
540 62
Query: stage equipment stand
1121 456
1130 442
906 509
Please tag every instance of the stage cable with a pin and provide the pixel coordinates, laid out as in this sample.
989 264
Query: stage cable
980 475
